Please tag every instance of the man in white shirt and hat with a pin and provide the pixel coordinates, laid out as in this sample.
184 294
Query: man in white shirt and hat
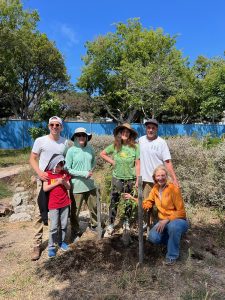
154 151
43 149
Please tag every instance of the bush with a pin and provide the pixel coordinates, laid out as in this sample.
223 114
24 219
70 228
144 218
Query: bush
200 169
99 143
36 132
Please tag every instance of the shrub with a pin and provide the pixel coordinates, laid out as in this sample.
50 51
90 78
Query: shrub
200 169
99 143
36 132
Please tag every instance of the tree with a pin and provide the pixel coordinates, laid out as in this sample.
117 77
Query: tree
213 90
133 71
77 104
48 107
30 64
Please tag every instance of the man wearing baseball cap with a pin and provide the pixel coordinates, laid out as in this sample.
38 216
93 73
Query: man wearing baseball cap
43 149
154 151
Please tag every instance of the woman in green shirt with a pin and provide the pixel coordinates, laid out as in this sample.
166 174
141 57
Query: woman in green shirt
124 156
80 161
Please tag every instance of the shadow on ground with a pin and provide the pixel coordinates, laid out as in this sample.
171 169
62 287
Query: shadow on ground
105 269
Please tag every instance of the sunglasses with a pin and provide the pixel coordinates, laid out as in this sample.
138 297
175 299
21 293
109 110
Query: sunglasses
54 125
81 135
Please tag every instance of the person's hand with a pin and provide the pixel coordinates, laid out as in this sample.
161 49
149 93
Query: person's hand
113 163
146 205
161 225
62 180
136 183
127 196
89 174
176 182
43 175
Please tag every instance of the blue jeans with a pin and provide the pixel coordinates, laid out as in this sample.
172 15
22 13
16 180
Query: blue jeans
58 219
170 236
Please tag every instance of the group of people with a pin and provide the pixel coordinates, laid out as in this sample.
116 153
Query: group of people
64 170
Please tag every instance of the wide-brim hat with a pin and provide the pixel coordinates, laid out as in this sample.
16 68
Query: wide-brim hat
152 121
127 126
81 130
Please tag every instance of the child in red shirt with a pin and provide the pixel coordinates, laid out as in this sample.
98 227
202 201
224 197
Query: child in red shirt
57 185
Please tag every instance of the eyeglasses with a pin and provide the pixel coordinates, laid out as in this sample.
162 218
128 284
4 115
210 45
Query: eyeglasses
54 125
81 135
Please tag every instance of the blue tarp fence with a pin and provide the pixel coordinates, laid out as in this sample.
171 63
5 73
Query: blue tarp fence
14 134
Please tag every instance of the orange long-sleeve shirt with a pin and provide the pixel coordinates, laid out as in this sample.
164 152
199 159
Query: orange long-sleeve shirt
170 206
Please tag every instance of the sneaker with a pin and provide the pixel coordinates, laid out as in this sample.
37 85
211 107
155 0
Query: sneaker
63 246
36 254
126 226
109 231
126 238
75 236
93 229
76 239
51 252
145 226
170 261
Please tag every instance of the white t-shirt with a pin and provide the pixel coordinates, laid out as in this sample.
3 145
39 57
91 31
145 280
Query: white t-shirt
45 147
152 154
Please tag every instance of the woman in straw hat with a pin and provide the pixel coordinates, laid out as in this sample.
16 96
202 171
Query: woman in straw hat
80 161
124 156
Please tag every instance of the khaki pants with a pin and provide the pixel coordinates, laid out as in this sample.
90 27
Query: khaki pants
150 216
147 186
90 198
37 222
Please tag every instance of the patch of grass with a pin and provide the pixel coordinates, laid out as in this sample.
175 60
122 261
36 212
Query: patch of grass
210 141
201 293
4 190
14 157
26 179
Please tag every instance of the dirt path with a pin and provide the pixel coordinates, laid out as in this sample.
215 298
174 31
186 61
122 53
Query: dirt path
13 170
106 270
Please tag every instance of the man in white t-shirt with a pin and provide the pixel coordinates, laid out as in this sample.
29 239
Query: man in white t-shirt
153 152
43 149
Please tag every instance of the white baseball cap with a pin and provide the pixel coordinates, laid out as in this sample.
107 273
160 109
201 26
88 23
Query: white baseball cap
55 119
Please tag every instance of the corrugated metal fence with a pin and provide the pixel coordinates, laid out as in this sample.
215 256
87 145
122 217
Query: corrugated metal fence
14 134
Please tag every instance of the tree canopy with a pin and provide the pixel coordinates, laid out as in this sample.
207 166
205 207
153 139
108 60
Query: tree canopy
30 64
134 71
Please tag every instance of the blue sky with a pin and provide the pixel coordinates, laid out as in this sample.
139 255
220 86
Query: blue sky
200 25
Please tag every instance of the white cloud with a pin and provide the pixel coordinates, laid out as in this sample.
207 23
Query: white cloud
69 34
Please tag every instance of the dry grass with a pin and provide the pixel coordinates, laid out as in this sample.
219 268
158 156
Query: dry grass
106 269
14 157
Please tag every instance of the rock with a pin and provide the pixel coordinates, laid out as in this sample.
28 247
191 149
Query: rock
20 217
19 198
33 179
16 200
5 209
19 189
24 208
84 215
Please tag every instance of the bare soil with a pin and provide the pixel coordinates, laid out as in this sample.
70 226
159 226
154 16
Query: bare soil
106 269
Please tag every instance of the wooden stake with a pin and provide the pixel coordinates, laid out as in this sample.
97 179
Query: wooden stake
99 227
140 221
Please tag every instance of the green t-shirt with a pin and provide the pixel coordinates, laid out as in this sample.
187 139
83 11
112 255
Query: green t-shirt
124 161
